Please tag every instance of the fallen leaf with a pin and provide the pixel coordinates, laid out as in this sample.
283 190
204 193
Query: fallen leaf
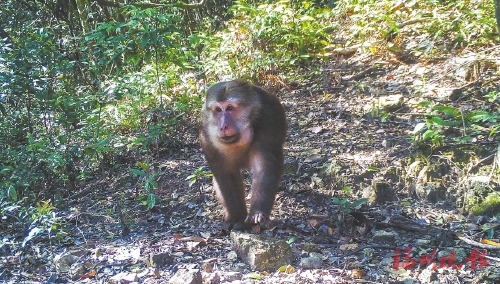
358 273
316 129
90 274
346 247
489 242
199 240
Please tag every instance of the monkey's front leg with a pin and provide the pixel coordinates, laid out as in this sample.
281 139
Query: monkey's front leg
266 176
230 192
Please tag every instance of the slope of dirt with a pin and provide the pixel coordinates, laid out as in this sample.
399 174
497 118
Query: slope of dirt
340 137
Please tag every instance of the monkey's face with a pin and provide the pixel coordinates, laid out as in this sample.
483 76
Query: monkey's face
229 123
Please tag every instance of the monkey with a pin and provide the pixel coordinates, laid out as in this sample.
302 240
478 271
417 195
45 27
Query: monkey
243 127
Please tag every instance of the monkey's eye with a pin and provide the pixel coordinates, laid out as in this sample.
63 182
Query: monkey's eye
230 107
218 109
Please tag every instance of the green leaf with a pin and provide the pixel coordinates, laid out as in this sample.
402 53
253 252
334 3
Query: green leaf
255 276
143 165
138 172
448 110
347 189
436 120
482 116
429 134
151 202
12 193
62 138
358 202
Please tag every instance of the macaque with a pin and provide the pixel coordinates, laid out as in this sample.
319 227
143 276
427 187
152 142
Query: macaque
243 127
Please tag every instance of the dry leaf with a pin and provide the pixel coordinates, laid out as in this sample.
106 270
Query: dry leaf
346 247
199 240
90 274
358 273
489 242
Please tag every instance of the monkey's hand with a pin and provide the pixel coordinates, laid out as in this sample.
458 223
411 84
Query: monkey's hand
257 217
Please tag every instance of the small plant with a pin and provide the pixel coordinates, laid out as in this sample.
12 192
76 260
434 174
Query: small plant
493 96
197 174
148 181
434 126
451 120
344 204
44 219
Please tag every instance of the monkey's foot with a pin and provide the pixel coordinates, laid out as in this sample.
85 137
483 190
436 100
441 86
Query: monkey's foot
257 218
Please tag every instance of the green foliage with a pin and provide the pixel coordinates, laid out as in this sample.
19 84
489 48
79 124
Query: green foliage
461 126
278 34
149 181
198 174
436 24
131 44
38 220
346 206
493 96
67 112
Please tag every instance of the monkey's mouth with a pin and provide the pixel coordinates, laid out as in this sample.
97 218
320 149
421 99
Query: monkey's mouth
230 139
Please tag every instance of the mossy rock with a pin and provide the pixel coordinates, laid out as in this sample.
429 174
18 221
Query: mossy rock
490 206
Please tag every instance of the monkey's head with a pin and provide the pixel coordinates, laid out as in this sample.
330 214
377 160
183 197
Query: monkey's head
228 114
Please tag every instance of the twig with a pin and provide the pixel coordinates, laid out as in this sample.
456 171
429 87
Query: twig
477 244
473 167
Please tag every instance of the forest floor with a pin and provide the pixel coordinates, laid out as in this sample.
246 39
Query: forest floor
344 140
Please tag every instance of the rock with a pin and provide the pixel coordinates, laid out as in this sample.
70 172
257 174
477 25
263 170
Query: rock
231 276
383 237
221 277
186 276
311 262
211 278
232 255
385 103
391 102
309 247
129 278
380 192
261 252
160 259
431 191
63 262
76 270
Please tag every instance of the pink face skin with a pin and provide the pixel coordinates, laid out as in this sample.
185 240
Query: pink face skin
230 126
227 126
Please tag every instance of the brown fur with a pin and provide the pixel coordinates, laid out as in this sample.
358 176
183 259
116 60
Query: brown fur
244 127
